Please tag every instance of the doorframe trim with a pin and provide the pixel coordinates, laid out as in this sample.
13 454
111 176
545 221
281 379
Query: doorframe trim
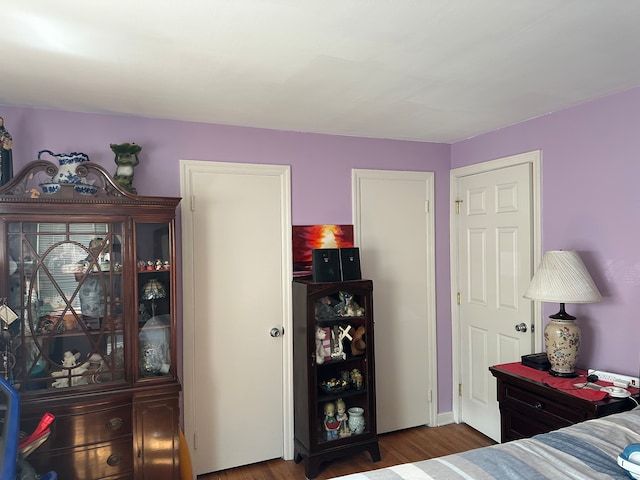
534 158
428 177
188 168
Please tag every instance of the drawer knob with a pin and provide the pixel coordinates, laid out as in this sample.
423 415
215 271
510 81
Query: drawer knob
115 423
538 405
114 459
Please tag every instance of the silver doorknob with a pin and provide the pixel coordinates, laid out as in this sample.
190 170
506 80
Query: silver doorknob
275 332
521 327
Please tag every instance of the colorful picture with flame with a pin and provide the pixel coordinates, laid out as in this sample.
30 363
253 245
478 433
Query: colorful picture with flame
308 237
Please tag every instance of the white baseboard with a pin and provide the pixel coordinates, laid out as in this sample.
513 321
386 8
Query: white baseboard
444 419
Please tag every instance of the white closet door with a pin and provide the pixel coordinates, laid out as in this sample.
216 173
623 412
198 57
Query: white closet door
237 283
393 222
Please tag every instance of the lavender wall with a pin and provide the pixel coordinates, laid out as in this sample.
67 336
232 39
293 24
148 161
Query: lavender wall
590 172
320 172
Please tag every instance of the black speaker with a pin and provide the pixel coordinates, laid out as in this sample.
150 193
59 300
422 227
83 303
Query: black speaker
350 263
539 361
325 265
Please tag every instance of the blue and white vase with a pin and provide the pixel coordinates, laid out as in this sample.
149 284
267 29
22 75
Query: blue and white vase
68 163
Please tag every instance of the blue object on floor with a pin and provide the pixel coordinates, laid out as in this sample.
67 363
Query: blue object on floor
9 431
49 476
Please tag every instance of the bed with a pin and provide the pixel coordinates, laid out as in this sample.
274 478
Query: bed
587 450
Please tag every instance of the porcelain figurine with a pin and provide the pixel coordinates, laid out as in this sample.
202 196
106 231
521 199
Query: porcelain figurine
321 352
343 418
126 159
331 424
71 368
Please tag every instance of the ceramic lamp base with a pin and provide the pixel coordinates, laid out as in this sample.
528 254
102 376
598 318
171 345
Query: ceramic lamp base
562 342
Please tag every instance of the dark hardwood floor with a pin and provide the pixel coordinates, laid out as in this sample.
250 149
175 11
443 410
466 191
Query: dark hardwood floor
404 446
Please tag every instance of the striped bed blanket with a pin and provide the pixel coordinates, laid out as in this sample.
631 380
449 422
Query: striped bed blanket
588 450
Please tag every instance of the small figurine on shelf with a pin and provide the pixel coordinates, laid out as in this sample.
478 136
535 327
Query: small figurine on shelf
343 418
347 306
356 379
126 159
321 350
324 308
69 363
338 334
358 344
331 424
336 344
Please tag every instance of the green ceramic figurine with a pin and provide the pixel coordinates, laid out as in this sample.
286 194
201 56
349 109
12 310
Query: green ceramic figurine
126 160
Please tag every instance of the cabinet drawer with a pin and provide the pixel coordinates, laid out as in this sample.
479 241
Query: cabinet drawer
540 406
94 462
84 428
518 424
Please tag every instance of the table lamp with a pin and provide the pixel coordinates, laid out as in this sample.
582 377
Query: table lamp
562 277
153 290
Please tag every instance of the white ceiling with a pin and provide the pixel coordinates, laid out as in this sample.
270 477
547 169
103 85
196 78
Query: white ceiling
427 70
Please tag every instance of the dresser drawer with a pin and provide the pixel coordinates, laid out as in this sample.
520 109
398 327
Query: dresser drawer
517 424
540 407
82 427
106 460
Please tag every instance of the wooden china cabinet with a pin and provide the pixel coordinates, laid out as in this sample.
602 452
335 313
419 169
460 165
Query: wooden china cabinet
333 363
87 273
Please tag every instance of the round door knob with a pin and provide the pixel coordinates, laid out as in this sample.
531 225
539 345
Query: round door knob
521 327
275 332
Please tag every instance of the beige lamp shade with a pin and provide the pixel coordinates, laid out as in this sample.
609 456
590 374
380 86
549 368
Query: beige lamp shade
562 278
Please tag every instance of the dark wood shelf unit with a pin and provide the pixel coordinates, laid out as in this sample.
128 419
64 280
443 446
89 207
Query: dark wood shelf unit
311 443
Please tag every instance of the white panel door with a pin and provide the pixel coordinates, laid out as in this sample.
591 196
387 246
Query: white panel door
394 230
237 283
494 236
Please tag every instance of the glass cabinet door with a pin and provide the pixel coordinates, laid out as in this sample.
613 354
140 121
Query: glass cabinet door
65 286
154 299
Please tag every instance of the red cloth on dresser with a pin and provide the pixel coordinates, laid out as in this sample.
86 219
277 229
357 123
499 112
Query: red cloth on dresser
561 383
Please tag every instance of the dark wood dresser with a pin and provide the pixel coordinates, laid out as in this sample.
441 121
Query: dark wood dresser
529 405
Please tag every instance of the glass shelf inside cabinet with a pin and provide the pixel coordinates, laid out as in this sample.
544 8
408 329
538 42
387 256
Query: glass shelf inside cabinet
65 287
154 299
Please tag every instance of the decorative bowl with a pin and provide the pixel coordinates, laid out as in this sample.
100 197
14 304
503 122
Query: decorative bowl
50 188
334 386
85 189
